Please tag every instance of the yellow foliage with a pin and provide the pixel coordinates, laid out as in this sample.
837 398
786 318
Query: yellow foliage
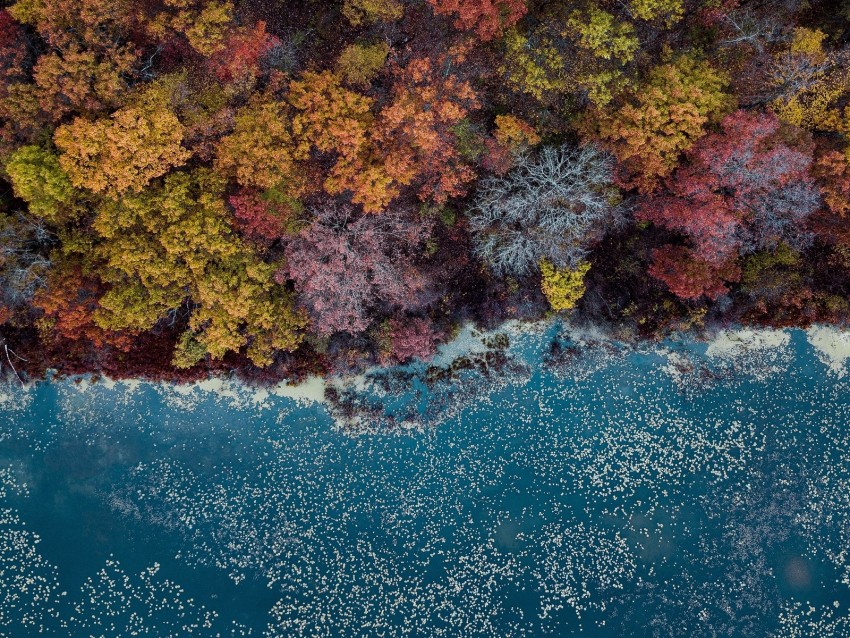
259 151
38 179
360 12
203 23
533 65
27 11
514 133
670 10
563 287
815 104
174 242
358 64
808 42
599 32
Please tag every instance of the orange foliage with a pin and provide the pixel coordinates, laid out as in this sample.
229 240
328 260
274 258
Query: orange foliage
124 152
81 80
69 302
334 119
415 131
832 172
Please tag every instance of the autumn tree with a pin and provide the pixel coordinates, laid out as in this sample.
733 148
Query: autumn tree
669 11
533 64
660 119
83 81
94 25
744 189
69 301
263 217
362 12
488 18
13 50
563 287
809 84
832 170
239 58
604 46
125 151
551 207
173 244
334 119
204 23
347 268
420 125
689 276
408 338
260 151
512 137
359 64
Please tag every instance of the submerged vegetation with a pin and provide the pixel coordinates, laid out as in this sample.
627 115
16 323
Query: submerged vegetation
288 187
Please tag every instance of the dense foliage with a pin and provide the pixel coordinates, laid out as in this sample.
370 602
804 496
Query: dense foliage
294 186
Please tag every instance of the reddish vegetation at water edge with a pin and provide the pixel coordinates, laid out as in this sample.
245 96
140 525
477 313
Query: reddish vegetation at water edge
284 187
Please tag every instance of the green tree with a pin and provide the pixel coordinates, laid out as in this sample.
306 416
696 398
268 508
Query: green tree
38 179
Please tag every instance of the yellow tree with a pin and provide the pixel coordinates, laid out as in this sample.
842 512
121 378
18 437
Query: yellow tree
260 151
654 123
563 287
174 243
812 84
359 64
38 179
125 151
360 12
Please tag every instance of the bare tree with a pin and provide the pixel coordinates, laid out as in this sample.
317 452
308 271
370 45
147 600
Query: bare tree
551 206
758 30
23 266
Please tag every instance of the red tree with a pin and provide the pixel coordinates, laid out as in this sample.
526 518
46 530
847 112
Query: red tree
241 55
690 277
744 189
410 338
488 18
260 218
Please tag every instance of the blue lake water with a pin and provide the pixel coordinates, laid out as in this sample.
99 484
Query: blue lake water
595 490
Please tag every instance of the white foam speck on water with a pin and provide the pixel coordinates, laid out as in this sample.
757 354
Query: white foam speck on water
14 397
832 346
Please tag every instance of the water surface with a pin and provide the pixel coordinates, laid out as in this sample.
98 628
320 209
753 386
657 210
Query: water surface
592 489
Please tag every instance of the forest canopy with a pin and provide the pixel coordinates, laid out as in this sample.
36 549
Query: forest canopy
285 187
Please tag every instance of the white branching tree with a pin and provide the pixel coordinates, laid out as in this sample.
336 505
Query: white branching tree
552 206
23 266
